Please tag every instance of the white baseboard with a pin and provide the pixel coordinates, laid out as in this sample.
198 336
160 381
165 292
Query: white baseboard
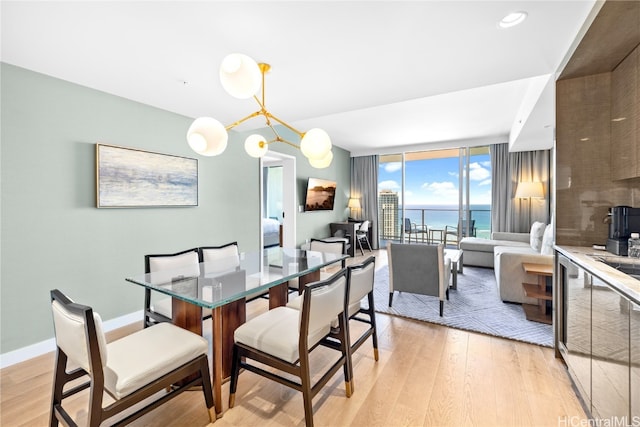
46 346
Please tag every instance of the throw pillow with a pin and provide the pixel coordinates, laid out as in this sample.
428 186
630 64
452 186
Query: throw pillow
535 238
547 241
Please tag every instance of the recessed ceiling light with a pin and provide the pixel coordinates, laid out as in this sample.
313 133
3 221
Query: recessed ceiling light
584 139
618 119
512 19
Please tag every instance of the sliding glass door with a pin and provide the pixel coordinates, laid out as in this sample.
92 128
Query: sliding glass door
435 196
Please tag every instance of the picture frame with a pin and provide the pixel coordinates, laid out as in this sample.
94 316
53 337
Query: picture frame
129 177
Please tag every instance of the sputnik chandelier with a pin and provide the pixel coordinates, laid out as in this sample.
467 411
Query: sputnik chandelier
242 77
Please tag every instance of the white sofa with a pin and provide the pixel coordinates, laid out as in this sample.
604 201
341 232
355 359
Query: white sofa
505 253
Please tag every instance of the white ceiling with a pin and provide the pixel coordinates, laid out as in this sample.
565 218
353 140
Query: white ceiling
378 76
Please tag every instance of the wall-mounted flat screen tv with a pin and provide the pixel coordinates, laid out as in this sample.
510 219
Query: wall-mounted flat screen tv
321 194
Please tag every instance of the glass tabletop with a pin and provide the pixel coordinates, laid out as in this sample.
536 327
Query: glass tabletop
229 279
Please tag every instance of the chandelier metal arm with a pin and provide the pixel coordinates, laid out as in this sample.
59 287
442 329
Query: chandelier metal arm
285 124
242 120
278 138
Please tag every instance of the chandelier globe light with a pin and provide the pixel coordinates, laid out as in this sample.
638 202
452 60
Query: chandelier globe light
315 144
256 145
323 162
242 78
207 136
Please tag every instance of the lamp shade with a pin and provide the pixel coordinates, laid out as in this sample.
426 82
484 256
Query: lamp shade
315 144
354 203
240 75
207 136
256 145
529 189
323 162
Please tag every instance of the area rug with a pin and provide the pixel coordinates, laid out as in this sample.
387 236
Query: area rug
474 306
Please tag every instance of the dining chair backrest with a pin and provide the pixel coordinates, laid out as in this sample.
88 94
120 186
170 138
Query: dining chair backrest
361 282
322 302
220 258
319 245
364 227
163 267
361 279
75 326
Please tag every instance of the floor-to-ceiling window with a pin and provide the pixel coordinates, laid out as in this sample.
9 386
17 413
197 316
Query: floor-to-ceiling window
435 196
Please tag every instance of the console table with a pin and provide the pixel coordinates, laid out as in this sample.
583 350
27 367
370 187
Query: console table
349 228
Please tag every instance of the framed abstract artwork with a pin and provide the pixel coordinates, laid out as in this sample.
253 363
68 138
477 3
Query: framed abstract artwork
127 177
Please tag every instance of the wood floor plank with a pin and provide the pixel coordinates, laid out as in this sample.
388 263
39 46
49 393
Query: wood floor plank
478 394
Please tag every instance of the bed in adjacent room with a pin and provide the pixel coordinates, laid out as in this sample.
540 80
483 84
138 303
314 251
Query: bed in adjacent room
271 232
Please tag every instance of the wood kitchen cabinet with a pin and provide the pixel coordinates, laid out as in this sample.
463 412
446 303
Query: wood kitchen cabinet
625 118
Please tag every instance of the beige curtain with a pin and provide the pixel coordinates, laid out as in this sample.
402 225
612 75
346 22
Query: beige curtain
364 185
508 169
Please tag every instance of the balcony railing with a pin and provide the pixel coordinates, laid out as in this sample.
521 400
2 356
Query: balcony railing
435 222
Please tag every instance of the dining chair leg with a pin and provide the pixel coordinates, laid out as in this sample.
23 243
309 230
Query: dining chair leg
368 244
233 382
345 348
307 396
374 334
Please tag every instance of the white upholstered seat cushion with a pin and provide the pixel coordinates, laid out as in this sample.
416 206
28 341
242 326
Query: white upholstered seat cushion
137 359
277 332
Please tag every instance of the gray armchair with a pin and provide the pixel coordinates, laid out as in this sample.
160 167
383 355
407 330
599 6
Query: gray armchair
419 269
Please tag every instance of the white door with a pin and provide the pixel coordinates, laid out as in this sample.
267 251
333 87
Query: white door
288 215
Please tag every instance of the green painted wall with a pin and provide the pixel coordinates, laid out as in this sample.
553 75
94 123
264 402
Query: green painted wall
52 234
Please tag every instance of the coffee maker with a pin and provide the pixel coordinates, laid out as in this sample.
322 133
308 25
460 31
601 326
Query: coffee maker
623 220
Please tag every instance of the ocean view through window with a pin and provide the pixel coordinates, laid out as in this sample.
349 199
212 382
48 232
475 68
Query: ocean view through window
428 192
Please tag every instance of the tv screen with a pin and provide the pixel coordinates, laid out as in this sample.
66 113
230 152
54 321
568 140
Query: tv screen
321 194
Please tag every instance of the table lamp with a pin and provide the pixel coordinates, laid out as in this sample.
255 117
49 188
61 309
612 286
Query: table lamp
529 190
353 204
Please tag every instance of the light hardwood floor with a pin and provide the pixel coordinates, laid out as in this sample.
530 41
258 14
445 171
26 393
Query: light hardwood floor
427 375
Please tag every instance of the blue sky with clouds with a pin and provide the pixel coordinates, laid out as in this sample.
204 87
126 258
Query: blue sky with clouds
435 181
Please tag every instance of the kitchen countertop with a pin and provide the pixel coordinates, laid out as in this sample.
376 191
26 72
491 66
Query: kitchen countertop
586 257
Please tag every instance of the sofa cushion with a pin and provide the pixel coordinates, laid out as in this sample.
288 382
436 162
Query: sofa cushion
486 245
547 241
535 239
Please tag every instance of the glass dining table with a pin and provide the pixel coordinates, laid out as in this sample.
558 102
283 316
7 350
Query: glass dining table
223 287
